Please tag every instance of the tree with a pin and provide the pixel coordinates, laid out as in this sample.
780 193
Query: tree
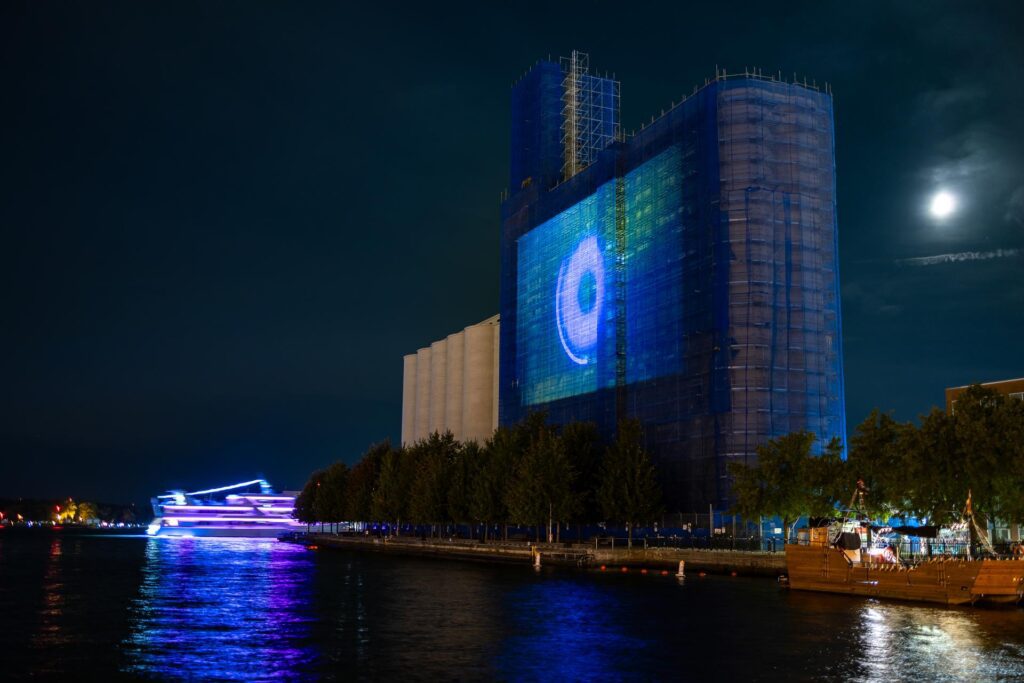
67 511
86 512
827 480
304 501
937 481
499 458
629 490
362 479
391 497
585 452
988 427
1009 482
428 500
782 482
880 457
329 503
461 478
541 487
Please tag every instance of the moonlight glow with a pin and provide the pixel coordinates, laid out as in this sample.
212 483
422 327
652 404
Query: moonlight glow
942 205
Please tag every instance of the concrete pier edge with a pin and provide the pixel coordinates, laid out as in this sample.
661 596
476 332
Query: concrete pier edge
740 562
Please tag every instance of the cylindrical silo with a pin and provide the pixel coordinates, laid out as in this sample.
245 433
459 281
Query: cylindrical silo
422 394
438 365
496 332
408 398
478 372
453 384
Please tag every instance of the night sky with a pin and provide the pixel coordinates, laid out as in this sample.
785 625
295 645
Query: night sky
224 223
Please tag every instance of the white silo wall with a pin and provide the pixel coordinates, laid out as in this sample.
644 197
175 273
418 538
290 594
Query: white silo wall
494 376
438 365
453 384
477 378
408 398
422 394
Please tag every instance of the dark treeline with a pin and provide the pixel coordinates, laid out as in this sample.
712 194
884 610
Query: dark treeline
922 470
64 511
532 475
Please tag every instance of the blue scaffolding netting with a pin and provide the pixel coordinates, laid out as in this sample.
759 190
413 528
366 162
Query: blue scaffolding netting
686 275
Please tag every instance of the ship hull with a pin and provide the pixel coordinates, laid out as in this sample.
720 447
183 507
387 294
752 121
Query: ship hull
944 581
184 532
249 509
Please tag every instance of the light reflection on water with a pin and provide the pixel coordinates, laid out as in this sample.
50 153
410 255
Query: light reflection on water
241 609
565 630
221 608
936 644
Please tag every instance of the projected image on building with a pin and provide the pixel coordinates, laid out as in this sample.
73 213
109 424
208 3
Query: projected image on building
654 267
579 299
565 301
685 275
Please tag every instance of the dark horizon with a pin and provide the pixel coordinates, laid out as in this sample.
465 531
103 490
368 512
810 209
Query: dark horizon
225 224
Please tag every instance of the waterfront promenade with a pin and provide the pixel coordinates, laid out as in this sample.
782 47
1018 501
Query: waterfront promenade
585 556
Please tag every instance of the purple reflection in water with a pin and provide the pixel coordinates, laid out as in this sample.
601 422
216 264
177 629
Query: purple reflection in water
221 608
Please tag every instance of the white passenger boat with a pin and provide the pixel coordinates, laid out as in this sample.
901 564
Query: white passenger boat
247 509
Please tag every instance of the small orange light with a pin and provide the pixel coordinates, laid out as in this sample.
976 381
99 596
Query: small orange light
643 571
602 567
664 572
625 569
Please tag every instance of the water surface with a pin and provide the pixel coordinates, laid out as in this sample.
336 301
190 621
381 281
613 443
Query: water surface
243 609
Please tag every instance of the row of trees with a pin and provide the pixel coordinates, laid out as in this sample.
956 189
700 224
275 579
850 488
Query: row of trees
65 511
530 475
923 470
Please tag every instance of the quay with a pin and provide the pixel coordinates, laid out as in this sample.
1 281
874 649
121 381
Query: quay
583 556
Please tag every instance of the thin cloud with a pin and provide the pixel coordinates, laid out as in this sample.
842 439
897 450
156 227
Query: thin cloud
959 257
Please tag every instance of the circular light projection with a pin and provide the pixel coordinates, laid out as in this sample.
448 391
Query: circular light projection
578 298
942 204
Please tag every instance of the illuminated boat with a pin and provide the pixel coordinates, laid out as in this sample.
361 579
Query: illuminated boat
839 563
247 509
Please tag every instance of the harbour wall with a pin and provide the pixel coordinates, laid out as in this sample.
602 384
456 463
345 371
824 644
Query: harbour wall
743 563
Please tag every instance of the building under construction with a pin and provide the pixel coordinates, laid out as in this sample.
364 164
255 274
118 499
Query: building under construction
685 275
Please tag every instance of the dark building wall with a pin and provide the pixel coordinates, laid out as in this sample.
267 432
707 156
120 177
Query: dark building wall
702 251
1008 387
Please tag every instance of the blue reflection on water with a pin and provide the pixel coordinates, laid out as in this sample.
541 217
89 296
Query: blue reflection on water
566 631
221 608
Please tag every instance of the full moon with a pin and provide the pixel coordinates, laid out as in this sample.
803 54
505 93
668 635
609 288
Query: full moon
943 204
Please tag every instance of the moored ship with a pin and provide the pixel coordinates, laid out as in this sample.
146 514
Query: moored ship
838 563
247 509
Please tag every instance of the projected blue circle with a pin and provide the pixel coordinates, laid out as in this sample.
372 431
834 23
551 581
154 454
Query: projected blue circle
578 298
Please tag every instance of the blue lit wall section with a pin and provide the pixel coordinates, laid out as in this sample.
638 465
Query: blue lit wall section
566 301
654 268
689 278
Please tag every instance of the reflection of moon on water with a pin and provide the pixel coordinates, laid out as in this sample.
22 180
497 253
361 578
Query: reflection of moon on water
578 299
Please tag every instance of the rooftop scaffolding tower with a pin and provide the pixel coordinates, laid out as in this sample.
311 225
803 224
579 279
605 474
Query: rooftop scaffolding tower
590 113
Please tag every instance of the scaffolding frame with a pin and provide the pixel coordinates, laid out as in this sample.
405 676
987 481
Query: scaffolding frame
590 107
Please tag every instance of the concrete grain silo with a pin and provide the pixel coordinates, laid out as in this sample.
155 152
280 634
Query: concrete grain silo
478 380
438 367
422 394
453 384
494 374
408 398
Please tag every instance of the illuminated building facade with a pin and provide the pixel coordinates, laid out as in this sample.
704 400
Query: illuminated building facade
685 275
